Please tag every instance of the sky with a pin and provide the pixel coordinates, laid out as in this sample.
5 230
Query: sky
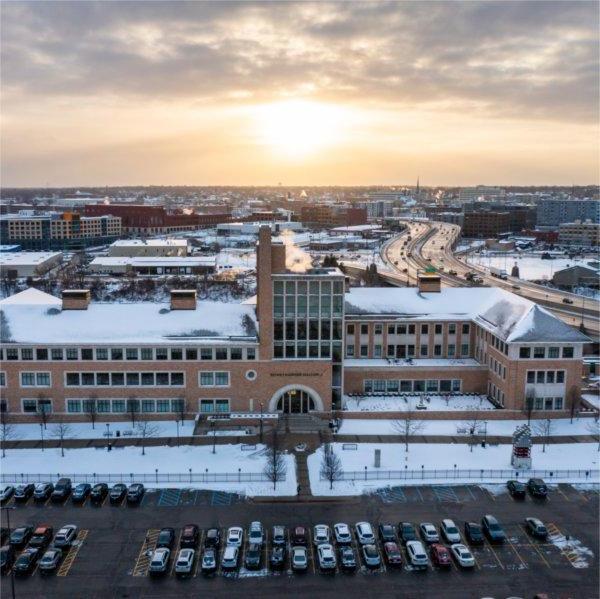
299 93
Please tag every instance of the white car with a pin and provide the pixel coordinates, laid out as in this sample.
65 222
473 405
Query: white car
255 533
450 531
429 533
326 557
65 536
235 536
462 555
364 533
342 533
160 560
321 534
230 557
185 561
299 558
417 556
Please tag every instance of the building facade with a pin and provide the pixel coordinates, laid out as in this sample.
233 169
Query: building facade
583 234
551 212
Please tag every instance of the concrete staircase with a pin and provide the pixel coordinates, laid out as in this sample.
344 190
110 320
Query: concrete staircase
302 475
301 423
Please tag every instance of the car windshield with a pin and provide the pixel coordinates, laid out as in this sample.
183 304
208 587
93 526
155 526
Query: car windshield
452 529
494 526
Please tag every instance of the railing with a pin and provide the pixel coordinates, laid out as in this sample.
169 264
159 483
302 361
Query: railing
147 477
473 474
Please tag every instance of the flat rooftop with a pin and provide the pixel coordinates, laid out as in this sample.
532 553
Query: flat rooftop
155 261
27 258
150 242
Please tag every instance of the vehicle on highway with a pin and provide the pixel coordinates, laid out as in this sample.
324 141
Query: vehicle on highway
256 534
62 489
99 492
117 493
212 538
277 557
80 492
429 532
26 561
462 555
453 273
278 535
65 536
235 536
20 536
321 534
450 531
299 536
42 491
342 533
516 287
209 560
473 533
135 492
537 487
499 273
392 553
407 532
492 529
516 489
347 558
230 558
536 528
24 492
189 536
326 557
7 558
440 556
166 538
416 555
387 533
566 300
299 558
6 493
159 563
41 537
364 533
253 556
50 560
185 561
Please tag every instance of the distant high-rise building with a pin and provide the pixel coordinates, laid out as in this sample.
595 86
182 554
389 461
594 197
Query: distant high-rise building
551 212
479 193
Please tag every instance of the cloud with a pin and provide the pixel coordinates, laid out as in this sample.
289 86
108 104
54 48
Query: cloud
505 59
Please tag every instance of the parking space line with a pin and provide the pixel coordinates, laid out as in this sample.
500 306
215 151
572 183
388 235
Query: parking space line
72 553
143 559
496 556
468 487
525 565
562 493
535 546
419 493
200 546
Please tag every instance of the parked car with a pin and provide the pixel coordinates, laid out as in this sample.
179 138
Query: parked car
159 563
135 492
62 489
117 493
299 536
429 533
347 558
255 533
41 538
364 533
326 557
26 561
65 536
209 560
342 534
440 556
387 533
321 534
492 529
230 557
212 538
536 528
50 560
473 533
166 538
371 556
277 557
6 493
393 555
20 536
235 536
189 536
81 492
7 558
416 555
253 556
450 531
24 492
279 536
43 491
516 489
185 561
299 558
537 487
407 532
99 492
462 555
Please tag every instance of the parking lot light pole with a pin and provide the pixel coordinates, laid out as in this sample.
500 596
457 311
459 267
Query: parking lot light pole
108 436
42 432
12 570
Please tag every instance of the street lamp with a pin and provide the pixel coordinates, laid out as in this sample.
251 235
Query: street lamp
42 433
12 570
108 436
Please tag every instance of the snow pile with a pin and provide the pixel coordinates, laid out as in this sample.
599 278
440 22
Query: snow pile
575 551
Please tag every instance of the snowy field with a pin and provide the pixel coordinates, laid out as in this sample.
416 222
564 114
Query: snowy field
560 427
576 456
176 460
431 403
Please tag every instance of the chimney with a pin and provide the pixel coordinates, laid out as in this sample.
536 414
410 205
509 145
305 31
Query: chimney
429 283
75 299
183 299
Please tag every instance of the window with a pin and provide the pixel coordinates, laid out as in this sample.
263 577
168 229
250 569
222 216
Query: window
207 379
539 376
221 405
452 329
424 329
72 354
162 353
117 379
131 353
177 405
147 378
73 406
26 353
377 351
391 329
162 379
378 329
250 353
437 350
350 351
116 353
177 379
550 376
132 379
451 350
30 406
392 386
368 385
2 379
531 376
88 379
191 354
148 405
432 386
35 379
221 353
419 386
424 350
147 353
560 376
207 405
350 329
379 385
12 354
438 329
406 386
401 329
411 329
466 328
206 353
539 402
101 353
567 352
118 406
524 352
27 379
103 406
103 379
445 385
57 354
456 384
364 351
41 354
236 353
221 379
364 329
162 405
558 403
553 352
87 354
464 349
539 352
72 379
548 402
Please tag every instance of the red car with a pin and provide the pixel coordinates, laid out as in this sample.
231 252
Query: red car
392 554
440 556
299 536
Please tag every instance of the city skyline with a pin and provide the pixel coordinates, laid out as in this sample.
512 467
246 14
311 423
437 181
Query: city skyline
307 94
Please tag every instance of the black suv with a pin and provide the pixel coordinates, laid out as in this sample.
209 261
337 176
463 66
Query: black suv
212 538
24 492
189 536
387 534
253 555
473 533
537 487
43 491
492 529
117 493
407 532
20 536
99 492
81 492
135 493
516 488
62 490
166 538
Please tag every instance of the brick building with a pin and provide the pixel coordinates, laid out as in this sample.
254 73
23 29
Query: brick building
324 216
485 224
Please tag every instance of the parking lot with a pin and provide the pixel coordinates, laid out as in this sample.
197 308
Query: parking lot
114 544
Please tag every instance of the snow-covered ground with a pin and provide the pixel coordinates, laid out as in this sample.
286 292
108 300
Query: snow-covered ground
592 398
560 427
168 460
575 456
430 403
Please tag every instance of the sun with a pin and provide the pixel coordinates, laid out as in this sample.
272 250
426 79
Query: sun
298 128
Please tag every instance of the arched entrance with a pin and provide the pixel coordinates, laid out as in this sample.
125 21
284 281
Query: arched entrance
295 399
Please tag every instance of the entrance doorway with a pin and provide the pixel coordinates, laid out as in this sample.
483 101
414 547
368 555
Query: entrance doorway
295 401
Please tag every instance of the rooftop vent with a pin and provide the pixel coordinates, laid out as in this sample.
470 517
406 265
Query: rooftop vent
183 299
429 283
75 299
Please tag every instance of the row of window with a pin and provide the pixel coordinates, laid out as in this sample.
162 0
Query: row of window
308 287
490 338
497 367
312 329
408 386
546 376
407 329
408 351
548 403
312 349
130 353
496 393
311 305
540 353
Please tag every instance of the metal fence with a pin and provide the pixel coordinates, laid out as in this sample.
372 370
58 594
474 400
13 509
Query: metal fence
474 474
147 477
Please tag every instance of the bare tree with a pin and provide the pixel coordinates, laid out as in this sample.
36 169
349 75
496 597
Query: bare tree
544 429
275 468
145 429
62 431
529 403
331 465
408 426
472 423
574 400
8 432
180 408
593 427
90 407
133 407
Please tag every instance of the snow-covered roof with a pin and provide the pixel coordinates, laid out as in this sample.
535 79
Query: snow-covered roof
155 261
27 258
151 242
33 316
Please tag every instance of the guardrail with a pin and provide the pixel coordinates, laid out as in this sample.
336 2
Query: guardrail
472 474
